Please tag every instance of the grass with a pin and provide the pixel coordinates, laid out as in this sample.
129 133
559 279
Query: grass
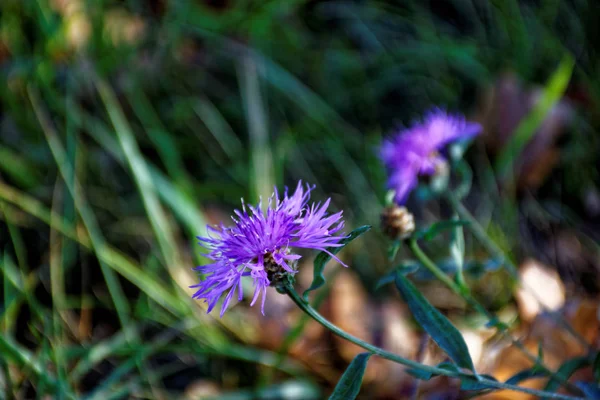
115 155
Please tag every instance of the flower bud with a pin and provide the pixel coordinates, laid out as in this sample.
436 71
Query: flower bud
397 222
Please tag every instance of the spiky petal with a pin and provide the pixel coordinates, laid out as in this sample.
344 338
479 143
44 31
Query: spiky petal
260 240
415 151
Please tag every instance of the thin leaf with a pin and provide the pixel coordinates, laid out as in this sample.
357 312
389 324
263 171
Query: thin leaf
457 251
18 167
323 258
435 324
552 93
349 384
296 389
529 373
426 375
406 268
439 227
474 384
420 374
565 371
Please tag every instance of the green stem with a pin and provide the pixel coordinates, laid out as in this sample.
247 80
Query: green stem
479 232
25 359
308 309
439 274
497 253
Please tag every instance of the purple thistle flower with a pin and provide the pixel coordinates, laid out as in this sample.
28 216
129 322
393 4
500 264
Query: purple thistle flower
414 152
259 245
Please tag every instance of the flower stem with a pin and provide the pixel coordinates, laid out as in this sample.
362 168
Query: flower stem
308 309
497 253
480 233
468 297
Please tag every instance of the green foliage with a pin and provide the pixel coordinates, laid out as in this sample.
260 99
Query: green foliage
565 371
435 324
436 228
349 384
427 375
553 92
323 258
406 268
117 147
526 374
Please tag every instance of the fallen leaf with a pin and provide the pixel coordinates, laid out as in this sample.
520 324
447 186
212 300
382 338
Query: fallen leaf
540 287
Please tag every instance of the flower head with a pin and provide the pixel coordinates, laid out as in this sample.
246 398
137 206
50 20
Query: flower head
414 152
259 245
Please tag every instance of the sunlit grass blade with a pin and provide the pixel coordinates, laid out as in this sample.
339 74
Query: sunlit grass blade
160 224
262 169
96 239
218 127
126 267
18 167
552 92
11 350
57 291
177 199
163 141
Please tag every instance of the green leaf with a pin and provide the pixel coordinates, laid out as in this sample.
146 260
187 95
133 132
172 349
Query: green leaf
323 258
457 251
293 389
349 385
448 366
435 324
530 373
529 125
406 268
565 371
438 227
471 383
420 374
597 367
18 167
393 249
426 375
465 177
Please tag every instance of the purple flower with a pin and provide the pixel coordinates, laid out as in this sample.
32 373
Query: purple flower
259 245
414 152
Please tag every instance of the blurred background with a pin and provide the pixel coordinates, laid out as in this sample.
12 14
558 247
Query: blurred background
126 126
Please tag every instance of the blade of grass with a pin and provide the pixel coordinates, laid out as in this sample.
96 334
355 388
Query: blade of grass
135 161
57 292
18 168
261 169
16 239
552 92
163 142
20 286
119 262
156 215
96 238
181 203
11 350
218 127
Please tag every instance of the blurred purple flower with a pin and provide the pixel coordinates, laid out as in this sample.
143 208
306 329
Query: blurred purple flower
414 151
259 245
